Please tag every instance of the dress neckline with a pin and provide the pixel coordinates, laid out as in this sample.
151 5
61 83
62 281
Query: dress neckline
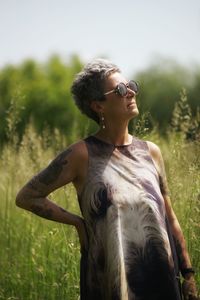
109 144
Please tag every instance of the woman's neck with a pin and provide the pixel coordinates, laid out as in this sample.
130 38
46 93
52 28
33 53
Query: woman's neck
115 135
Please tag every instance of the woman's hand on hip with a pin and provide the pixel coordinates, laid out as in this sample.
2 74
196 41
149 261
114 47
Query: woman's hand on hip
189 289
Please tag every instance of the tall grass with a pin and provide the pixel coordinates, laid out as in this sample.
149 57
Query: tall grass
39 259
182 161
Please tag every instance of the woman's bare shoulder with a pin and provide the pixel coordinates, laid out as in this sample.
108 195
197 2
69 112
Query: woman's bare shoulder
154 150
79 149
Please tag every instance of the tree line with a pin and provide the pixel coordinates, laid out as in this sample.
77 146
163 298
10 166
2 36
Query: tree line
40 94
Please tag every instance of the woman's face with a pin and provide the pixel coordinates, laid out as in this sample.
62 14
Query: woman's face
117 107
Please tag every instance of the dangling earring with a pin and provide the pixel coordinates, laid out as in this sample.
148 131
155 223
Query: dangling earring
103 122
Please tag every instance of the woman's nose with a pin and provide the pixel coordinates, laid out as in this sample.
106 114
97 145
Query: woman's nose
130 93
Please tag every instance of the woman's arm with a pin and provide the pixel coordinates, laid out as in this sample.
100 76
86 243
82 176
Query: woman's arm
34 195
189 287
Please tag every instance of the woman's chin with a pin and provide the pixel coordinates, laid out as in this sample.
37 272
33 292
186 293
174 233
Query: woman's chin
134 112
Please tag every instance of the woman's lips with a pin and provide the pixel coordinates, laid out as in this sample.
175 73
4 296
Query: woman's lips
131 104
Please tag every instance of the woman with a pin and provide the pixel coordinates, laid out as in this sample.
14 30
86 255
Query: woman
131 242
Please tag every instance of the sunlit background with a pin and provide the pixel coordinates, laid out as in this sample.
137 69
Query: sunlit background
131 33
45 43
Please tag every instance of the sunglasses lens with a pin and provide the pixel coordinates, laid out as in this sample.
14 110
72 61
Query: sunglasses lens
133 86
122 89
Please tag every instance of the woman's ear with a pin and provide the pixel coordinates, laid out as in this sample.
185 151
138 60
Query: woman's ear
97 106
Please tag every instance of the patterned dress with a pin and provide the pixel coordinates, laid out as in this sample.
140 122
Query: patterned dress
131 253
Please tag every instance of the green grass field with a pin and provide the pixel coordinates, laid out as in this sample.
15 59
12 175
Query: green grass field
39 259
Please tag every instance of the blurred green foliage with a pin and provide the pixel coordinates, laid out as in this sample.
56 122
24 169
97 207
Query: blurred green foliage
160 87
40 95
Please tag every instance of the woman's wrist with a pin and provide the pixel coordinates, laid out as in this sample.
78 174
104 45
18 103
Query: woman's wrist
78 222
187 273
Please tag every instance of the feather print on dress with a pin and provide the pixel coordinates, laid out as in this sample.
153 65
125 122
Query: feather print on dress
130 254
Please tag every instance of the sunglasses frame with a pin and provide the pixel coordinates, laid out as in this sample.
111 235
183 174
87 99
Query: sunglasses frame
117 89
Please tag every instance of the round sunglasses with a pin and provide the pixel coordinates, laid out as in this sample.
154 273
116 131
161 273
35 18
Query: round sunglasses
122 88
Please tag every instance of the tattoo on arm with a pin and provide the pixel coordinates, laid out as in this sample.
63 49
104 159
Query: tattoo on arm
179 253
42 212
35 199
62 209
51 173
33 184
47 213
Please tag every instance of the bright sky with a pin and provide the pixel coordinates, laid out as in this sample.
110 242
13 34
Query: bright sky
131 33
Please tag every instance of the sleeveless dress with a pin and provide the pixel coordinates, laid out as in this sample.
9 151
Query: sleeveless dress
131 253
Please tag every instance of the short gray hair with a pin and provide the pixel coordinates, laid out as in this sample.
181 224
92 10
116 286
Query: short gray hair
89 85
